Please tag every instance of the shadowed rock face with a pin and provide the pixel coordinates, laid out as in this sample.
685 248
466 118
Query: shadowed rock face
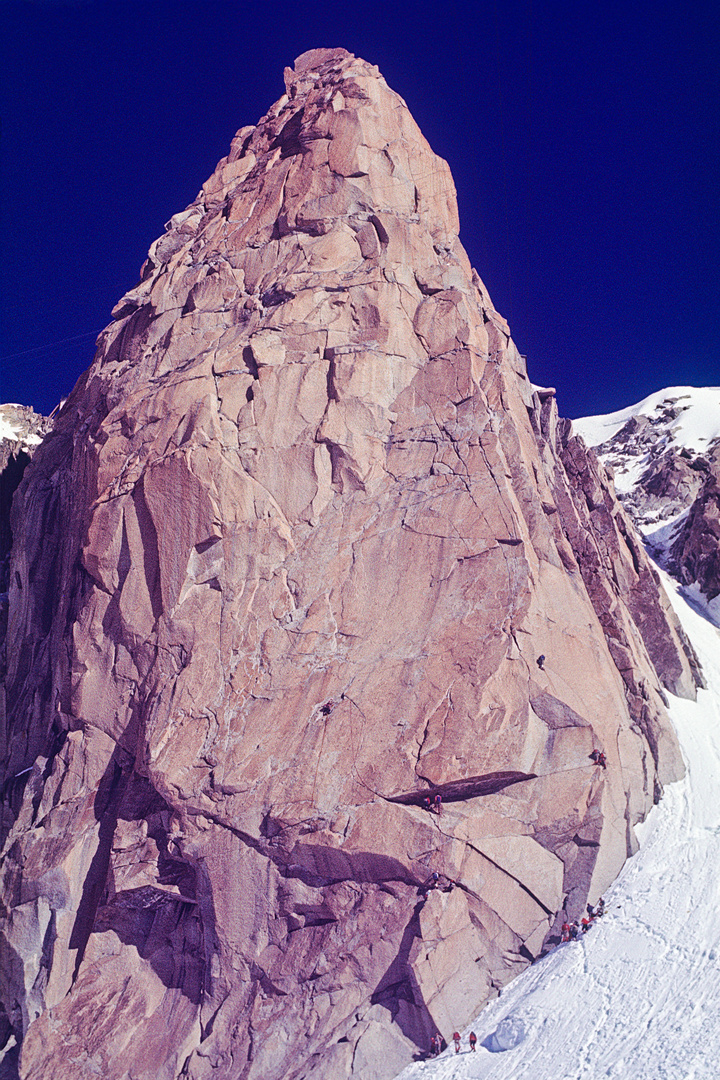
286 566
21 432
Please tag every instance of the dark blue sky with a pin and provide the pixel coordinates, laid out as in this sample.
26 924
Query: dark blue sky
584 140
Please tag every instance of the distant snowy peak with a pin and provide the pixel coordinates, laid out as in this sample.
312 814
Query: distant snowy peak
665 433
664 454
689 416
21 428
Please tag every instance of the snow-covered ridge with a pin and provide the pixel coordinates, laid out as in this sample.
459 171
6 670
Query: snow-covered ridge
689 416
671 429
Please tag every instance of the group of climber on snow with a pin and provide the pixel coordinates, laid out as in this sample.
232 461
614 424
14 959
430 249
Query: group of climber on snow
570 932
575 930
437 1041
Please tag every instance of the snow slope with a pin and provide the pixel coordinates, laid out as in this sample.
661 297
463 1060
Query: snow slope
639 997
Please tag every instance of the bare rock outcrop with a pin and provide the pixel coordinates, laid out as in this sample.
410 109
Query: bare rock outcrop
695 552
305 549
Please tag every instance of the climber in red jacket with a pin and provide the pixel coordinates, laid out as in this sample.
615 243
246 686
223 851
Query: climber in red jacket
456 1040
473 1041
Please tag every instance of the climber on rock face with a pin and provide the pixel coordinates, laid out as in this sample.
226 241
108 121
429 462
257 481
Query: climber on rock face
438 804
433 882
433 1046
566 931
473 1041
456 1040
599 758
541 662
427 805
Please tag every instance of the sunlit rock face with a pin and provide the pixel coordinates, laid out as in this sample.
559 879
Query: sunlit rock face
286 568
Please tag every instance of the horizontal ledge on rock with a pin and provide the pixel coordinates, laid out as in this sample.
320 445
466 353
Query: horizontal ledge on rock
459 790
543 392
148 896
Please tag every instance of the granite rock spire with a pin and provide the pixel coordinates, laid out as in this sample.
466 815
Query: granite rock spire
282 571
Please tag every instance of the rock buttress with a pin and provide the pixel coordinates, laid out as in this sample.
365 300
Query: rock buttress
284 569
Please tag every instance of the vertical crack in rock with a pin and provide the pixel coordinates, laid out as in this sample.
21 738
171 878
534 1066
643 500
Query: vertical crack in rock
288 562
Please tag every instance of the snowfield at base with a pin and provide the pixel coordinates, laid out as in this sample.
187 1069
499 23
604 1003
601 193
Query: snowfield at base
638 998
709 608
696 426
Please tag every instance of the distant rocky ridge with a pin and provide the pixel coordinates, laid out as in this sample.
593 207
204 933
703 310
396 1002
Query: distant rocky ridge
664 453
304 548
